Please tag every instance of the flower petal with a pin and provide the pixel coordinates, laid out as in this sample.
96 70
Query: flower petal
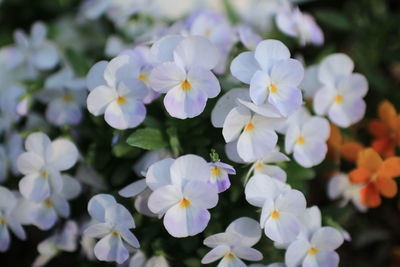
166 76
205 80
119 216
64 156
259 87
215 254
327 238
125 115
98 204
296 252
99 98
334 66
133 189
29 163
95 76
244 66
158 174
34 188
201 194
111 248
247 253
164 198
248 230
189 168
268 52
234 123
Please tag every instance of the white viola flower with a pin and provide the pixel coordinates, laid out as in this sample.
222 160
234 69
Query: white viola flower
65 96
113 229
248 37
185 74
255 134
300 116
340 186
117 92
281 207
42 164
310 84
234 244
220 175
294 23
215 27
139 260
182 194
65 240
273 76
9 219
342 92
32 53
46 213
307 141
262 166
318 250
146 62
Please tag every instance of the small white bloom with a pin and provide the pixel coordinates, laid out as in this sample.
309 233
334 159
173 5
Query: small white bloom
262 166
220 175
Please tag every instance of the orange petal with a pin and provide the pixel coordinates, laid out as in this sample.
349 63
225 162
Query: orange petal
369 159
387 113
350 150
386 186
390 168
384 146
335 137
369 195
378 129
358 176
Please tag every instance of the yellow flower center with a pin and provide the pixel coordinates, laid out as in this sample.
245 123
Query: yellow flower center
44 174
121 100
259 165
207 33
115 233
184 203
229 255
142 77
275 214
300 140
2 221
48 203
273 88
215 170
185 85
67 98
249 126
312 251
338 99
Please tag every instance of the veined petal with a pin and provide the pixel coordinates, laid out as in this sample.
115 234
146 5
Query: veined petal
244 66
125 115
99 98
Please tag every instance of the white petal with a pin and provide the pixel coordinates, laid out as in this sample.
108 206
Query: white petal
129 238
287 100
201 194
323 99
133 189
164 198
327 258
260 187
311 153
316 128
348 112
196 51
334 66
231 262
166 76
99 98
311 222
225 104
225 238
244 66
268 52
38 33
187 221
95 76
120 68
292 133
98 204
97 230
291 201
46 57
247 253
189 168
264 109
45 217
158 174
259 87
4 238
61 205
65 154
296 252
164 47
71 187
16 227
247 229
203 79
29 162
119 216
288 72
234 123
7 200
34 188
337 185
137 260
353 86
125 115
111 248
38 143
327 238
215 254
283 229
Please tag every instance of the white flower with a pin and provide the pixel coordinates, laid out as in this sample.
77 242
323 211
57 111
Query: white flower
32 53
262 166
42 163
66 240
307 141
65 96
234 244
317 250
182 194
114 222
220 175
185 74
139 260
340 186
273 76
117 92
254 134
341 95
9 219
293 22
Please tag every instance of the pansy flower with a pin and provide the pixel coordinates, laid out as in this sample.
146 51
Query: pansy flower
117 92
386 130
376 176
220 175
185 74
263 166
234 244
182 194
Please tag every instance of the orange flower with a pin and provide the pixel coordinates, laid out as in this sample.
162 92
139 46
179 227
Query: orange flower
376 175
338 148
386 130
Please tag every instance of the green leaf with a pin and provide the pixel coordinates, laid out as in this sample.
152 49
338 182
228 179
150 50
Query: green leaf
147 138
333 19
